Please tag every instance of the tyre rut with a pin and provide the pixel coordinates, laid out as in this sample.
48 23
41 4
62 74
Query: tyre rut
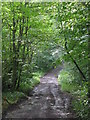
47 101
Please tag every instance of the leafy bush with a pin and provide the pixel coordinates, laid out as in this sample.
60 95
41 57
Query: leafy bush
25 87
29 83
11 98
80 102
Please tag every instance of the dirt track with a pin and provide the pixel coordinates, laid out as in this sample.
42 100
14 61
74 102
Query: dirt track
48 101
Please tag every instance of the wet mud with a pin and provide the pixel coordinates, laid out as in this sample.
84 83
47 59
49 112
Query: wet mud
47 101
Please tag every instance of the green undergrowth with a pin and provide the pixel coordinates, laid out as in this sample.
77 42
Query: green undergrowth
27 85
79 92
12 97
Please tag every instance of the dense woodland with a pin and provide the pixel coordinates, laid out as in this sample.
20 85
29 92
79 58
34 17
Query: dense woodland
37 37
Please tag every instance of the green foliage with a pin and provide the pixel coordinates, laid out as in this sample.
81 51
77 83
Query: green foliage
26 43
39 37
10 98
29 83
73 29
65 79
79 91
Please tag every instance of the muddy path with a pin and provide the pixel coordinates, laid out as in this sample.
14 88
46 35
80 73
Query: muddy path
47 101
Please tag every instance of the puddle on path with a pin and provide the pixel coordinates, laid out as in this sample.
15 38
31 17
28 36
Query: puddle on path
48 101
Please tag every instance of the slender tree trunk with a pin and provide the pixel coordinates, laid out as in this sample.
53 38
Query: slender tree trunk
19 77
88 30
19 45
23 54
31 56
10 43
89 64
74 61
14 76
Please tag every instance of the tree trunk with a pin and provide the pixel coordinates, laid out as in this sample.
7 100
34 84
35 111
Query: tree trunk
82 74
14 76
19 78
88 30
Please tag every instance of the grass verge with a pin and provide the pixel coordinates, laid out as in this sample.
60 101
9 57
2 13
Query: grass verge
79 92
